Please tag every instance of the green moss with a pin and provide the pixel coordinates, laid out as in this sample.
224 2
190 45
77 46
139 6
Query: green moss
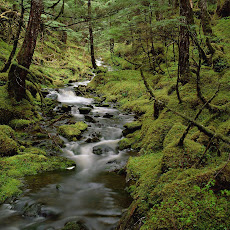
154 132
4 77
72 132
181 157
10 109
174 133
33 150
124 143
20 123
14 168
8 146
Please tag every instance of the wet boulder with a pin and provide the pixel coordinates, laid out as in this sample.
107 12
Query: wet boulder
89 119
107 115
66 108
75 225
84 110
32 210
102 149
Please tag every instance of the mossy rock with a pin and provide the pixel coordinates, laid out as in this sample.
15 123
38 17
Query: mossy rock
4 77
186 156
33 150
131 127
75 226
174 133
8 146
20 123
72 131
7 130
124 143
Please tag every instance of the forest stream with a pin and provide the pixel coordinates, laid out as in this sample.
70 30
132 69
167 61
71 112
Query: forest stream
91 193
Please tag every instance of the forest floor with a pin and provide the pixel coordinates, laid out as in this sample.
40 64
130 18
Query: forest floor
173 187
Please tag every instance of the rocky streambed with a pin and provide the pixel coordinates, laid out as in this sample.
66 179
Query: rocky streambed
92 193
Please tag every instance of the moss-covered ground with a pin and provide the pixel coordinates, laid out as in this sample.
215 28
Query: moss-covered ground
174 187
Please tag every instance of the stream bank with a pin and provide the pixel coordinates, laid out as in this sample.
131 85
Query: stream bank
91 192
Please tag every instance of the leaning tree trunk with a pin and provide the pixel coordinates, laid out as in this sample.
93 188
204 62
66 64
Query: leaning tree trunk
17 74
187 19
15 45
91 35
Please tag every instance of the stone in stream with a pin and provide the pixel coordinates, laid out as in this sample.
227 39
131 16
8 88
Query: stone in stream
107 115
72 132
84 110
32 210
75 225
65 108
102 149
89 119
95 138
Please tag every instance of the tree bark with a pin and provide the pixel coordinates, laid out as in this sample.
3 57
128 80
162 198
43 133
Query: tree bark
187 19
91 35
15 45
205 18
17 75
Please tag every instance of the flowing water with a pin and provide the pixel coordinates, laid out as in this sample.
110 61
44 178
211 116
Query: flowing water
91 193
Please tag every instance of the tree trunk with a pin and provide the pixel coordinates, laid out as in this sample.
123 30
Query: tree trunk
17 75
15 45
223 8
187 14
205 18
91 35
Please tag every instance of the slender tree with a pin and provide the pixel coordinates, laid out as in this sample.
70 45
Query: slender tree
205 18
91 35
187 19
18 71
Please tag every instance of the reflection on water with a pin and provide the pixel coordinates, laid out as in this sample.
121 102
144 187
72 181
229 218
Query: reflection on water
91 193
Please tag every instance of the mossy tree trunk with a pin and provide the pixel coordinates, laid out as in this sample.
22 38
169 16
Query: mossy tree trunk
91 35
15 45
187 19
223 8
17 75
205 18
